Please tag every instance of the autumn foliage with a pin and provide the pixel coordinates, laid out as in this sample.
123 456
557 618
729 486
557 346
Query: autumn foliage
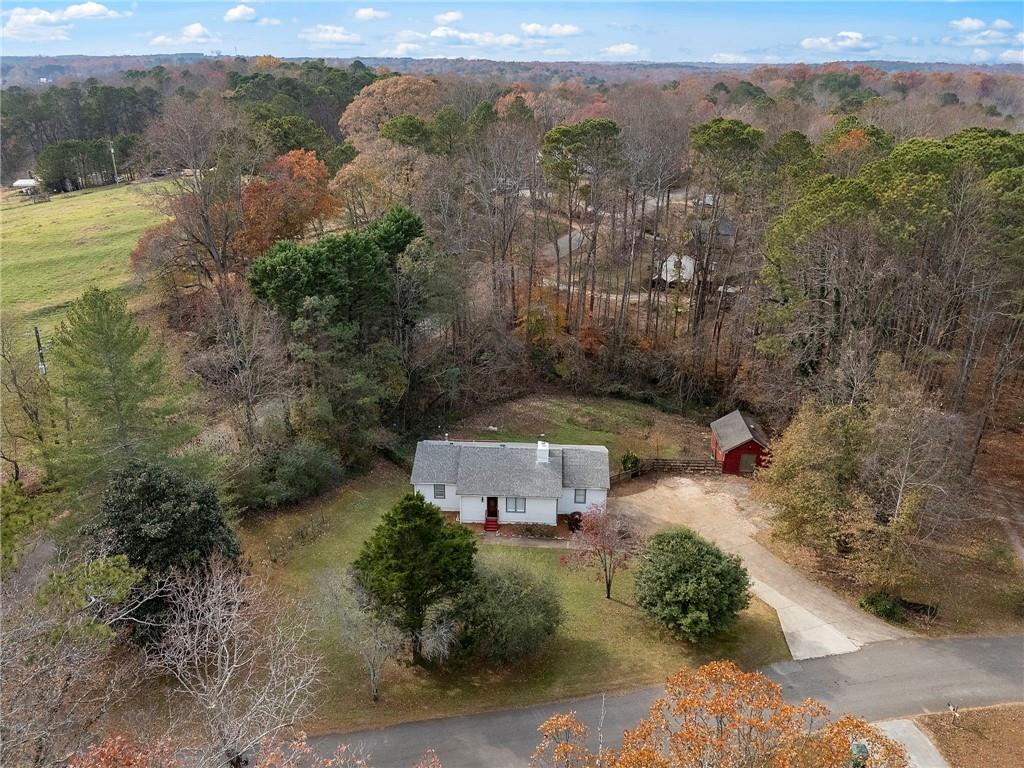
119 752
722 717
282 204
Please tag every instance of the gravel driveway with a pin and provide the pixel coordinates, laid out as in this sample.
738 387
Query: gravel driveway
815 621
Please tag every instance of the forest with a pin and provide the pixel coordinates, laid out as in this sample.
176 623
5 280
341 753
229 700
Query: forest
353 258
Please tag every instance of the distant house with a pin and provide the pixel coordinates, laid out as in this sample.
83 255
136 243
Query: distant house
738 443
25 186
494 483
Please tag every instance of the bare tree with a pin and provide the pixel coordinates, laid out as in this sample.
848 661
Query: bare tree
247 363
368 632
606 543
239 659
64 663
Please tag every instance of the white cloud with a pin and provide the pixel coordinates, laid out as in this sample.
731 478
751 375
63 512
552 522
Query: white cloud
1020 38
401 49
556 51
448 17
844 41
191 34
38 25
980 54
268 22
328 33
621 49
1001 24
730 58
486 39
370 14
1012 56
975 39
967 24
550 30
240 13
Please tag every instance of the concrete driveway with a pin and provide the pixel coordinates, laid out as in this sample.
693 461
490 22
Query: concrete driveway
815 621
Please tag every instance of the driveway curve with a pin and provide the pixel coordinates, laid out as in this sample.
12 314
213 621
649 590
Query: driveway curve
815 621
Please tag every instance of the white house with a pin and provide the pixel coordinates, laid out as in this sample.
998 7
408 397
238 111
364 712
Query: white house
495 483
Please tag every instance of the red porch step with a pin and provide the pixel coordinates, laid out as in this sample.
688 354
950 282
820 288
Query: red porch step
491 524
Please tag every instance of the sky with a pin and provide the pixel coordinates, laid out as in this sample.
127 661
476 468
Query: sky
725 32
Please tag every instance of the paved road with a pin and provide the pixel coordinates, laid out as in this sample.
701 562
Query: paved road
883 680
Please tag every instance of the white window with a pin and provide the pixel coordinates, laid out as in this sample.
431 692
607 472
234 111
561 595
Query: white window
581 496
439 491
515 504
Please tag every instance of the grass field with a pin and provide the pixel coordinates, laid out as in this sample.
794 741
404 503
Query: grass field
618 424
52 251
604 645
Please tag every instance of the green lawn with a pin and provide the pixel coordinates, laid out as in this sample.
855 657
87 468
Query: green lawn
605 645
52 251
620 425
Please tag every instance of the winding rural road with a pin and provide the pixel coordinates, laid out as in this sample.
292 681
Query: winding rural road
882 680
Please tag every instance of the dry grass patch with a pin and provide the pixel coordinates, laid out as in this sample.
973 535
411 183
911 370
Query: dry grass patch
990 737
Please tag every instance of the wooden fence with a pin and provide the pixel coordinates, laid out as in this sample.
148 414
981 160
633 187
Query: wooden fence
685 465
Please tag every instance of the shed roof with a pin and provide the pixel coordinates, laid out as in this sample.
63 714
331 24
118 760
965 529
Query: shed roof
509 469
735 429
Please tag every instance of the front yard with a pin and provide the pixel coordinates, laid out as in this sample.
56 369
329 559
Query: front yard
990 737
604 645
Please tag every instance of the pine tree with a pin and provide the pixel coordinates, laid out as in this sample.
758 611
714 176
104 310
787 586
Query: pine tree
118 405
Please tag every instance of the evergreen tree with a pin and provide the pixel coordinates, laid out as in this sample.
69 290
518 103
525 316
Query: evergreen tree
413 559
118 403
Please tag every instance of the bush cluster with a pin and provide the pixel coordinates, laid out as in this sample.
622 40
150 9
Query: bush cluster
304 469
690 586
505 614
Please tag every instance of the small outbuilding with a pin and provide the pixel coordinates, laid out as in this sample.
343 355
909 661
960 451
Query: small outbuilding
739 443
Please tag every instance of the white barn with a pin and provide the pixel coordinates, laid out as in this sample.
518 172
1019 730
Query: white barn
494 483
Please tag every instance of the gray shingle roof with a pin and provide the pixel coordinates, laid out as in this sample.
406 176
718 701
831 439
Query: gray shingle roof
436 462
585 467
737 428
509 469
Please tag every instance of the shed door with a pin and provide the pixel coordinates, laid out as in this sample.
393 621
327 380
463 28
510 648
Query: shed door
747 462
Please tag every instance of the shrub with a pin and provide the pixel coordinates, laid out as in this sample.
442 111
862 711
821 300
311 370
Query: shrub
883 605
689 585
506 614
303 470
536 530
281 475
630 461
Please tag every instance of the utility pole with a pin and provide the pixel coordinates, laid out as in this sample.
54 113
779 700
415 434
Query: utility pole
39 351
112 159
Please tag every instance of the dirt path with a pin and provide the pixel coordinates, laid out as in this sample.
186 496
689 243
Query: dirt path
816 621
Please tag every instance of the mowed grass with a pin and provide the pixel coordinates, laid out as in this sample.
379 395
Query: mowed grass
620 425
604 645
52 251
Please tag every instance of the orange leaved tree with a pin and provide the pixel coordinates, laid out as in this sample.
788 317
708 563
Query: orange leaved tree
291 195
719 716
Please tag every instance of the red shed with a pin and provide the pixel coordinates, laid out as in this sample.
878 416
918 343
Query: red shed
739 443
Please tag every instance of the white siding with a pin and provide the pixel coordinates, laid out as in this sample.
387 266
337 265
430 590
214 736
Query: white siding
537 511
567 503
473 509
450 502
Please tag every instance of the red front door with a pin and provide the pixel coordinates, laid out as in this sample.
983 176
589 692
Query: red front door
492 507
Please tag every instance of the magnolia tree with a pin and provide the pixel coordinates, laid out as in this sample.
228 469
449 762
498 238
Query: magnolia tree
605 544
718 716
